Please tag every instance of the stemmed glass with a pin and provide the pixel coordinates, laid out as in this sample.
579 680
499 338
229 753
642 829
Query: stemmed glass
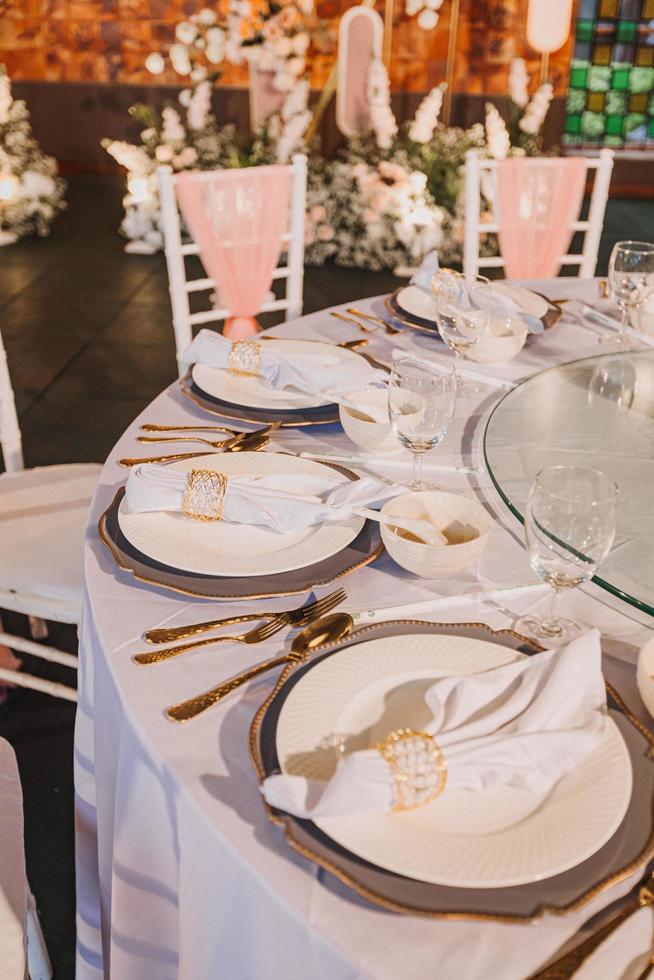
463 314
569 528
631 280
421 400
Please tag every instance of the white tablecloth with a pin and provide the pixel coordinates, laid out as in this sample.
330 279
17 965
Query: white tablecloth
179 872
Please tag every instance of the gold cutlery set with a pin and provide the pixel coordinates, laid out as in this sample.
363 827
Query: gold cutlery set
358 316
237 442
317 628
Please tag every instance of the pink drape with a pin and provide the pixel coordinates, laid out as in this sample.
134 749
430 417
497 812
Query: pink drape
237 218
538 200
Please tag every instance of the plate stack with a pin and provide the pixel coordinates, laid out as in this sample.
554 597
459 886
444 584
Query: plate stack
501 853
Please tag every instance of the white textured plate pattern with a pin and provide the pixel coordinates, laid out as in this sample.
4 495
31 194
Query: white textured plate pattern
503 837
254 393
239 550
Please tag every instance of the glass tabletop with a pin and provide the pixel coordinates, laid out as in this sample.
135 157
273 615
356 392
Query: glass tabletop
596 412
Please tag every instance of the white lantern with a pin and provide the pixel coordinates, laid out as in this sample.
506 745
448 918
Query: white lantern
548 24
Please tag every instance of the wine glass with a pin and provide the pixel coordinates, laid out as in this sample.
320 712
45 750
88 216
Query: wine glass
463 313
421 399
569 528
631 281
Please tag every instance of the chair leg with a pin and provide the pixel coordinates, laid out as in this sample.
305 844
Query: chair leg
38 961
38 628
18 679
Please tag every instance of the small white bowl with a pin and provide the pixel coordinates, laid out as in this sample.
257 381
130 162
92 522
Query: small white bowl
645 675
453 515
504 341
377 436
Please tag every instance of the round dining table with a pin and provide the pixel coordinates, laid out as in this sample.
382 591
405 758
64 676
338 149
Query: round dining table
179 872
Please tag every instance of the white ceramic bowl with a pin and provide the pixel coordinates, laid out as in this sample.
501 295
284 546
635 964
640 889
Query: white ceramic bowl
503 342
645 675
450 513
376 436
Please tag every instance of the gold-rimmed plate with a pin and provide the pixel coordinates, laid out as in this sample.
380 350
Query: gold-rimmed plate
295 418
628 850
425 325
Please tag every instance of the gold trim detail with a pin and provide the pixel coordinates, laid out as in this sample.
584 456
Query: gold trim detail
204 497
418 766
244 357
286 823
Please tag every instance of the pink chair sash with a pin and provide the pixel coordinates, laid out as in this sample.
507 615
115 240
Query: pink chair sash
538 200
237 218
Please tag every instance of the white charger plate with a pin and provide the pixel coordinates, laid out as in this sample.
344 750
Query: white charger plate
494 839
415 302
237 550
252 392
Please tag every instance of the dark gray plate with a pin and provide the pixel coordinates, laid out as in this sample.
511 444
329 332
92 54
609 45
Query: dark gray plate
629 849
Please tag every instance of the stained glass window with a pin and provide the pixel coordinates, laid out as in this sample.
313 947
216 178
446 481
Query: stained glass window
611 88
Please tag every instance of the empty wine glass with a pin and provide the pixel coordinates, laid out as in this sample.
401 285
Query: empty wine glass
463 313
631 281
421 400
569 528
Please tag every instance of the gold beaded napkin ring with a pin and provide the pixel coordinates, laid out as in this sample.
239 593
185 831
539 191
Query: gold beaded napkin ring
244 357
204 496
418 766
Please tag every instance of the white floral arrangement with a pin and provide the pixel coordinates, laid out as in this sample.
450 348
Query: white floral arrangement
522 133
426 10
31 190
270 35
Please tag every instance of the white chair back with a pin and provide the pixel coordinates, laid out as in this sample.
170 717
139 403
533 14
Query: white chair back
481 174
10 437
181 287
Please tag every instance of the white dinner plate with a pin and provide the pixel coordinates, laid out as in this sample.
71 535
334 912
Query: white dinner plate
251 392
238 550
492 839
415 302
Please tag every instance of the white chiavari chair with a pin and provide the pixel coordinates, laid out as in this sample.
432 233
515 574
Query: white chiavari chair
43 514
180 287
480 175
23 952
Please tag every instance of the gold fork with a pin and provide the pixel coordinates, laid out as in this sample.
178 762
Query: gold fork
294 617
151 427
256 635
388 327
215 444
350 319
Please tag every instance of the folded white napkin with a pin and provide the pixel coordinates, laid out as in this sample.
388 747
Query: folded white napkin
523 725
314 373
498 305
283 502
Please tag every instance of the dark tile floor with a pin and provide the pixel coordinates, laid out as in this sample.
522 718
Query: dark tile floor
89 341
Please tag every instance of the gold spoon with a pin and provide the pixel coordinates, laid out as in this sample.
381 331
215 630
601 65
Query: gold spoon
325 630
250 444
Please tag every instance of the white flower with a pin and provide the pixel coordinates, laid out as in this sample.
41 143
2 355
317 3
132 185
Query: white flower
155 63
413 7
199 106
427 19
284 81
186 32
426 117
206 16
518 82
185 97
199 73
296 101
382 119
133 158
497 135
164 153
34 184
283 47
296 66
186 158
180 60
172 131
215 45
301 42
148 134
534 115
